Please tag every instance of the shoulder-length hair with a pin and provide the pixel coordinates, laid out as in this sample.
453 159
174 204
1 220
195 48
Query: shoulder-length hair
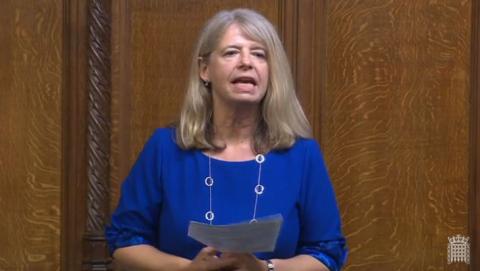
281 117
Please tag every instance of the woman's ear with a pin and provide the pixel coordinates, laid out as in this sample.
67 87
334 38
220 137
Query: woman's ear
203 69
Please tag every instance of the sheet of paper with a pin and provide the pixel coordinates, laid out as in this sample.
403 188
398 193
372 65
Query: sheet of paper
260 236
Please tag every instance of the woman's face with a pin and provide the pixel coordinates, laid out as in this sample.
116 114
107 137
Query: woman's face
237 69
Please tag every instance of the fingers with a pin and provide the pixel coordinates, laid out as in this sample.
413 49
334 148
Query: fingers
243 261
221 265
237 255
207 252
207 260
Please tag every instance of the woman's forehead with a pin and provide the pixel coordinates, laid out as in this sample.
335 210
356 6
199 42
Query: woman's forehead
236 30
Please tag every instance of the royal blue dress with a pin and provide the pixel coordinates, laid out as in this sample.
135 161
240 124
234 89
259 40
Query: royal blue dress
166 189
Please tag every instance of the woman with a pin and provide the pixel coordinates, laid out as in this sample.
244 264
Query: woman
241 150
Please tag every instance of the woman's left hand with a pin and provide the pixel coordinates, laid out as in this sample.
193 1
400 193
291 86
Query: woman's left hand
245 261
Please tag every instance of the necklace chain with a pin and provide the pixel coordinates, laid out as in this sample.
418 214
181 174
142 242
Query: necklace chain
258 189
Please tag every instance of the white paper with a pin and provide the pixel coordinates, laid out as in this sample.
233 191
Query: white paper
259 236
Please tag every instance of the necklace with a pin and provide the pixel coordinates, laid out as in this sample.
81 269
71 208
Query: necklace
258 189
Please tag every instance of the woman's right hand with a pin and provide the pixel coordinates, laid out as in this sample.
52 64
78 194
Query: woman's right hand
207 260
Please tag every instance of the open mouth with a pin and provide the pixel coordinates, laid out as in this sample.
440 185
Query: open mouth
244 80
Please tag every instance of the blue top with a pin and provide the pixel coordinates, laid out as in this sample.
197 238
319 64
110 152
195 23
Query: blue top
166 189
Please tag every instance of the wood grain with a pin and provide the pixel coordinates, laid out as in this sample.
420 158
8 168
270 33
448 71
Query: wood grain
74 126
309 59
395 116
30 134
153 41
474 139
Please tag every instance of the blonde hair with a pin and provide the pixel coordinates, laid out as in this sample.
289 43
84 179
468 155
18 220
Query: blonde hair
281 119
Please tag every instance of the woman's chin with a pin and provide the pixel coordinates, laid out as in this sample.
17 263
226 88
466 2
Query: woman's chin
246 98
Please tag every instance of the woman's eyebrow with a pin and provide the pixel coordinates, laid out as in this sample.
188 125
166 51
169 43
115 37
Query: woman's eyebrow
235 46
258 47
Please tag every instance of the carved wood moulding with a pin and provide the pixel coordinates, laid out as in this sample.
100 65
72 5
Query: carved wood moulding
98 135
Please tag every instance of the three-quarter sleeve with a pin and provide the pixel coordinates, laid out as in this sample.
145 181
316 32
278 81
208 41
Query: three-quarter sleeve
135 219
321 234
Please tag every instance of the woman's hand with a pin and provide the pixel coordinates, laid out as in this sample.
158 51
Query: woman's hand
207 260
244 261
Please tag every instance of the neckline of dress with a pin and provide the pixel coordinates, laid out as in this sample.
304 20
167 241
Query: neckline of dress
216 159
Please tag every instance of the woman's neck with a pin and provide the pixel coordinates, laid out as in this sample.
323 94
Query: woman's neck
234 128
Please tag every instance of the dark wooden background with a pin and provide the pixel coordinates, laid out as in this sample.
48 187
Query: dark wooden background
390 87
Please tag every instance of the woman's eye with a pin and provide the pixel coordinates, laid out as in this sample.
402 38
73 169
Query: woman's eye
230 53
259 54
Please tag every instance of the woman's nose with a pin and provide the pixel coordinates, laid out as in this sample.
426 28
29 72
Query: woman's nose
245 59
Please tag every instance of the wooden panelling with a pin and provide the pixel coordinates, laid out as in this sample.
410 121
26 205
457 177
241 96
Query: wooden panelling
395 128
306 43
95 253
30 134
74 133
152 45
474 140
